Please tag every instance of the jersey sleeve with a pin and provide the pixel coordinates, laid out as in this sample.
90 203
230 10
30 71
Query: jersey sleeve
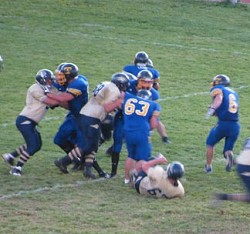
216 91
74 89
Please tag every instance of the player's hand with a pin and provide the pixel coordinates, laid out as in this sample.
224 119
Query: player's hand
45 89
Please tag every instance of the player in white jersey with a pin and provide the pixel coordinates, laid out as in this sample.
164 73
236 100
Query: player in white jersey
104 99
243 171
151 179
37 104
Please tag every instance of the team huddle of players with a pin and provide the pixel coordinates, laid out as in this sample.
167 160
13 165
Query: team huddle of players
127 107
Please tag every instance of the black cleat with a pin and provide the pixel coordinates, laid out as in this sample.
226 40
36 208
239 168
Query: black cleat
165 140
9 159
87 172
105 175
61 166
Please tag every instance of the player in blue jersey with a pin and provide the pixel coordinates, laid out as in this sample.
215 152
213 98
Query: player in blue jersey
69 136
143 80
225 105
140 117
141 62
65 138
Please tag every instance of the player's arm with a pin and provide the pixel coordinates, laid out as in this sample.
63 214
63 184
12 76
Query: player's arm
49 101
217 96
146 165
154 122
61 97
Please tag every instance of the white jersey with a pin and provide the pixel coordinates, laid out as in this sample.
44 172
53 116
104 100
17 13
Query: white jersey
35 109
105 92
244 157
158 185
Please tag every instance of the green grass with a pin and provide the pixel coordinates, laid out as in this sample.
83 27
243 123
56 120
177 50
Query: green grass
189 42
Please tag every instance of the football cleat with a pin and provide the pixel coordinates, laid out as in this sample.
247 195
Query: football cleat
105 175
126 181
208 169
61 166
8 158
87 172
16 171
166 140
229 163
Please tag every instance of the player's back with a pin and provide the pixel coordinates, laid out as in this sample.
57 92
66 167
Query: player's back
135 69
103 93
156 184
228 110
79 88
137 113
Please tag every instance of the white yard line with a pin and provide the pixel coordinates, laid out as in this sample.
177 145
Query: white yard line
44 189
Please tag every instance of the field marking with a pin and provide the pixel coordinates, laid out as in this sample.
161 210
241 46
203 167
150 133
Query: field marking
127 40
42 189
196 94
4 125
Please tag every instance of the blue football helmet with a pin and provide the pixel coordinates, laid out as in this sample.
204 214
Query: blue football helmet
59 67
221 80
175 170
141 57
121 80
150 63
67 72
145 79
144 93
44 77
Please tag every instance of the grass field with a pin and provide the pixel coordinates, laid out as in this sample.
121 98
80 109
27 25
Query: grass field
189 41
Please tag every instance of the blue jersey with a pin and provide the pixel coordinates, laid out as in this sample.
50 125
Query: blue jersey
135 69
228 110
132 89
137 113
79 88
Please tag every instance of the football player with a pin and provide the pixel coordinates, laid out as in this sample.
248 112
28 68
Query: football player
105 98
142 62
37 103
150 179
140 117
225 105
75 96
243 170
